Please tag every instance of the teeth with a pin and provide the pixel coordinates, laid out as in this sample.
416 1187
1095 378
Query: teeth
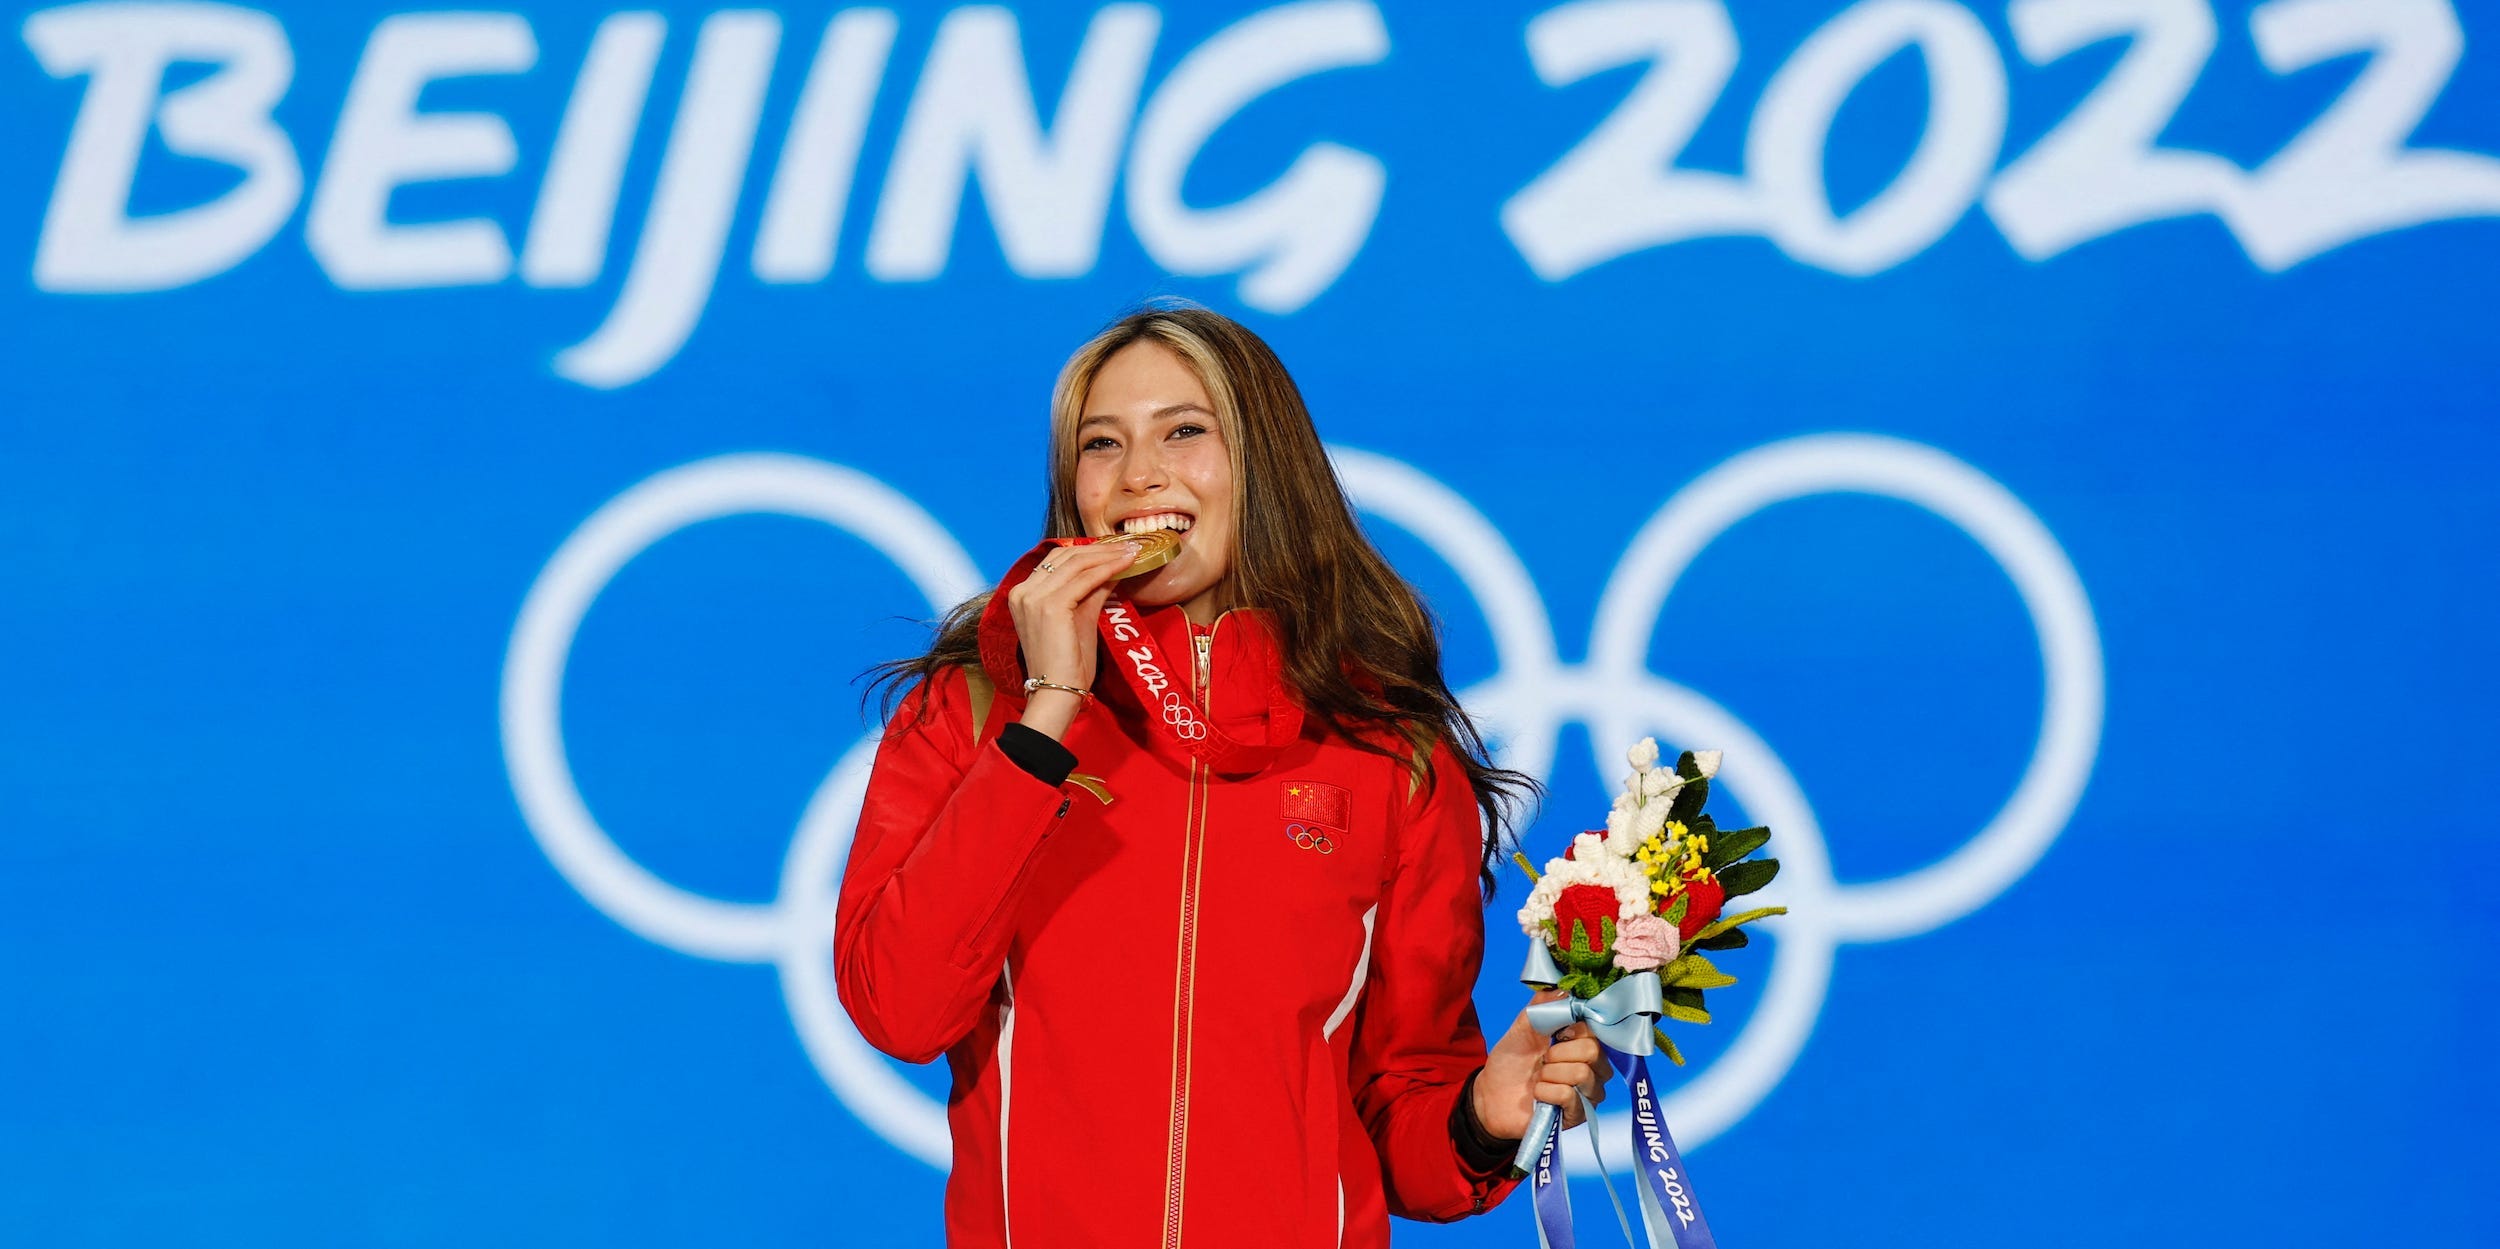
1159 520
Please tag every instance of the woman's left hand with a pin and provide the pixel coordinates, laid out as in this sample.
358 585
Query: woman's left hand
1524 1069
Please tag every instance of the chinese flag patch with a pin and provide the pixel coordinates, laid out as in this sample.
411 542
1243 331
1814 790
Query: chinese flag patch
1317 802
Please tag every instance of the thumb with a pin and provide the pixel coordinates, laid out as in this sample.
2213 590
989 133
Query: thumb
1523 1034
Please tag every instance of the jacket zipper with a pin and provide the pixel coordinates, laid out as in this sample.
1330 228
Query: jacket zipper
1193 865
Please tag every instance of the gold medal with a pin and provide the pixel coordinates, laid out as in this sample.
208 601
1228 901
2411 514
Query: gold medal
1154 547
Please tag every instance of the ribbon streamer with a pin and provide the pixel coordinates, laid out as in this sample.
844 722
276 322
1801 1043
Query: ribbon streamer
1666 1189
1620 1017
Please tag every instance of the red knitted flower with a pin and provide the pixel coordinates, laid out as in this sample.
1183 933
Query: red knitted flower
1590 906
1707 895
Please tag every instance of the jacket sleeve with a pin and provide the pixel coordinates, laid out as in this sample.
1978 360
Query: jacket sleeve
947 833
1417 1041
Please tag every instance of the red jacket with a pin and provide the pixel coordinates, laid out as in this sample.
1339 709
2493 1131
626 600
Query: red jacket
1173 1015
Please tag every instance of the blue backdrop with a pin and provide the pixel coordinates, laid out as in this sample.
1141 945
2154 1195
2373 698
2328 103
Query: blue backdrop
2063 429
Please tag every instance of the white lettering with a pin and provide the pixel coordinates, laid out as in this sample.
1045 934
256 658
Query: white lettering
1141 658
803 212
1292 238
972 114
2100 171
1965 125
1619 190
89 240
383 143
678 256
2350 175
568 238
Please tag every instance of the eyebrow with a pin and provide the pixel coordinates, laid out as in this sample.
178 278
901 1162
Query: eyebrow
1159 414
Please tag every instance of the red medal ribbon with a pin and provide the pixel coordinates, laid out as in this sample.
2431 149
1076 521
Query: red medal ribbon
1177 725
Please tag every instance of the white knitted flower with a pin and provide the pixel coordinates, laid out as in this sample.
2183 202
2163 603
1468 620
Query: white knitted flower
1644 756
1706 762
1659 782
1594 864
1649 823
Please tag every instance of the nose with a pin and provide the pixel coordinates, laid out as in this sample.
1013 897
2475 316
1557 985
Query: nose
1141 468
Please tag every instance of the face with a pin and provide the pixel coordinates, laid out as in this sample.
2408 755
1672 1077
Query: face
1151 455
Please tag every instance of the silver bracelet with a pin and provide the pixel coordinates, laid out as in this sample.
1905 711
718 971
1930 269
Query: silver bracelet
1037 683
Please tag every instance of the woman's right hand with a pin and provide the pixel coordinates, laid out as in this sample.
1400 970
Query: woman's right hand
1055 609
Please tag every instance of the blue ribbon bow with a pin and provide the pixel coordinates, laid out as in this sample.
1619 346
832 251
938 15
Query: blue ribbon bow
1620 1016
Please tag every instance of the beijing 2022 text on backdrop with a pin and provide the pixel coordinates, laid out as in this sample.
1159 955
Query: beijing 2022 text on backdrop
455 463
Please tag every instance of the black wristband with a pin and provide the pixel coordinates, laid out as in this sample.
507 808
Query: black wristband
1037 752
1478 1148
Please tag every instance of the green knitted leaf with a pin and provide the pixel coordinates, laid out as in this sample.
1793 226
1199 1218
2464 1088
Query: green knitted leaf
1692 971
1580 984
1685 1004
1687 805
1743 878
1674 914
1732 939
1666 1046
1728 847
1703 825
1581 955
1729 923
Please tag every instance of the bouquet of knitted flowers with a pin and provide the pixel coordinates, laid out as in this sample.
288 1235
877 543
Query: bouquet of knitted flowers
1649 893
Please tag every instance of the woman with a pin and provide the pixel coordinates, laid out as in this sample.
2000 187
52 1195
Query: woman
1218 989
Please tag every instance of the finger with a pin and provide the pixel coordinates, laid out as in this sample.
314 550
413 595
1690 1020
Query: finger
1566 1073
1521 1024
1573 1114
1092 606
1589 1080
1078 570
1594 1088
1581 1051
1098 574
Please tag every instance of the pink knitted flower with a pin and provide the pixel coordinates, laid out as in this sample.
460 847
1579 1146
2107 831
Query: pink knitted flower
1645 943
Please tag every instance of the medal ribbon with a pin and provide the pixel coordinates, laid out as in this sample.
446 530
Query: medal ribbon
1177 724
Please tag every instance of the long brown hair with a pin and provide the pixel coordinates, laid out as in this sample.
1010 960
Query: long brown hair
1358 645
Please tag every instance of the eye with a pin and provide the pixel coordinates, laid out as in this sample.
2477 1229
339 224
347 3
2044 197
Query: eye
1099 442
1190 429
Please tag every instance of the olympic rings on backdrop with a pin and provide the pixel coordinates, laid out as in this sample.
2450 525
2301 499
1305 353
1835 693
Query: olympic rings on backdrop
1530 698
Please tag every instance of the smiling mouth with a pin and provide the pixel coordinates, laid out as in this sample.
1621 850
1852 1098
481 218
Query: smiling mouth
1178 522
